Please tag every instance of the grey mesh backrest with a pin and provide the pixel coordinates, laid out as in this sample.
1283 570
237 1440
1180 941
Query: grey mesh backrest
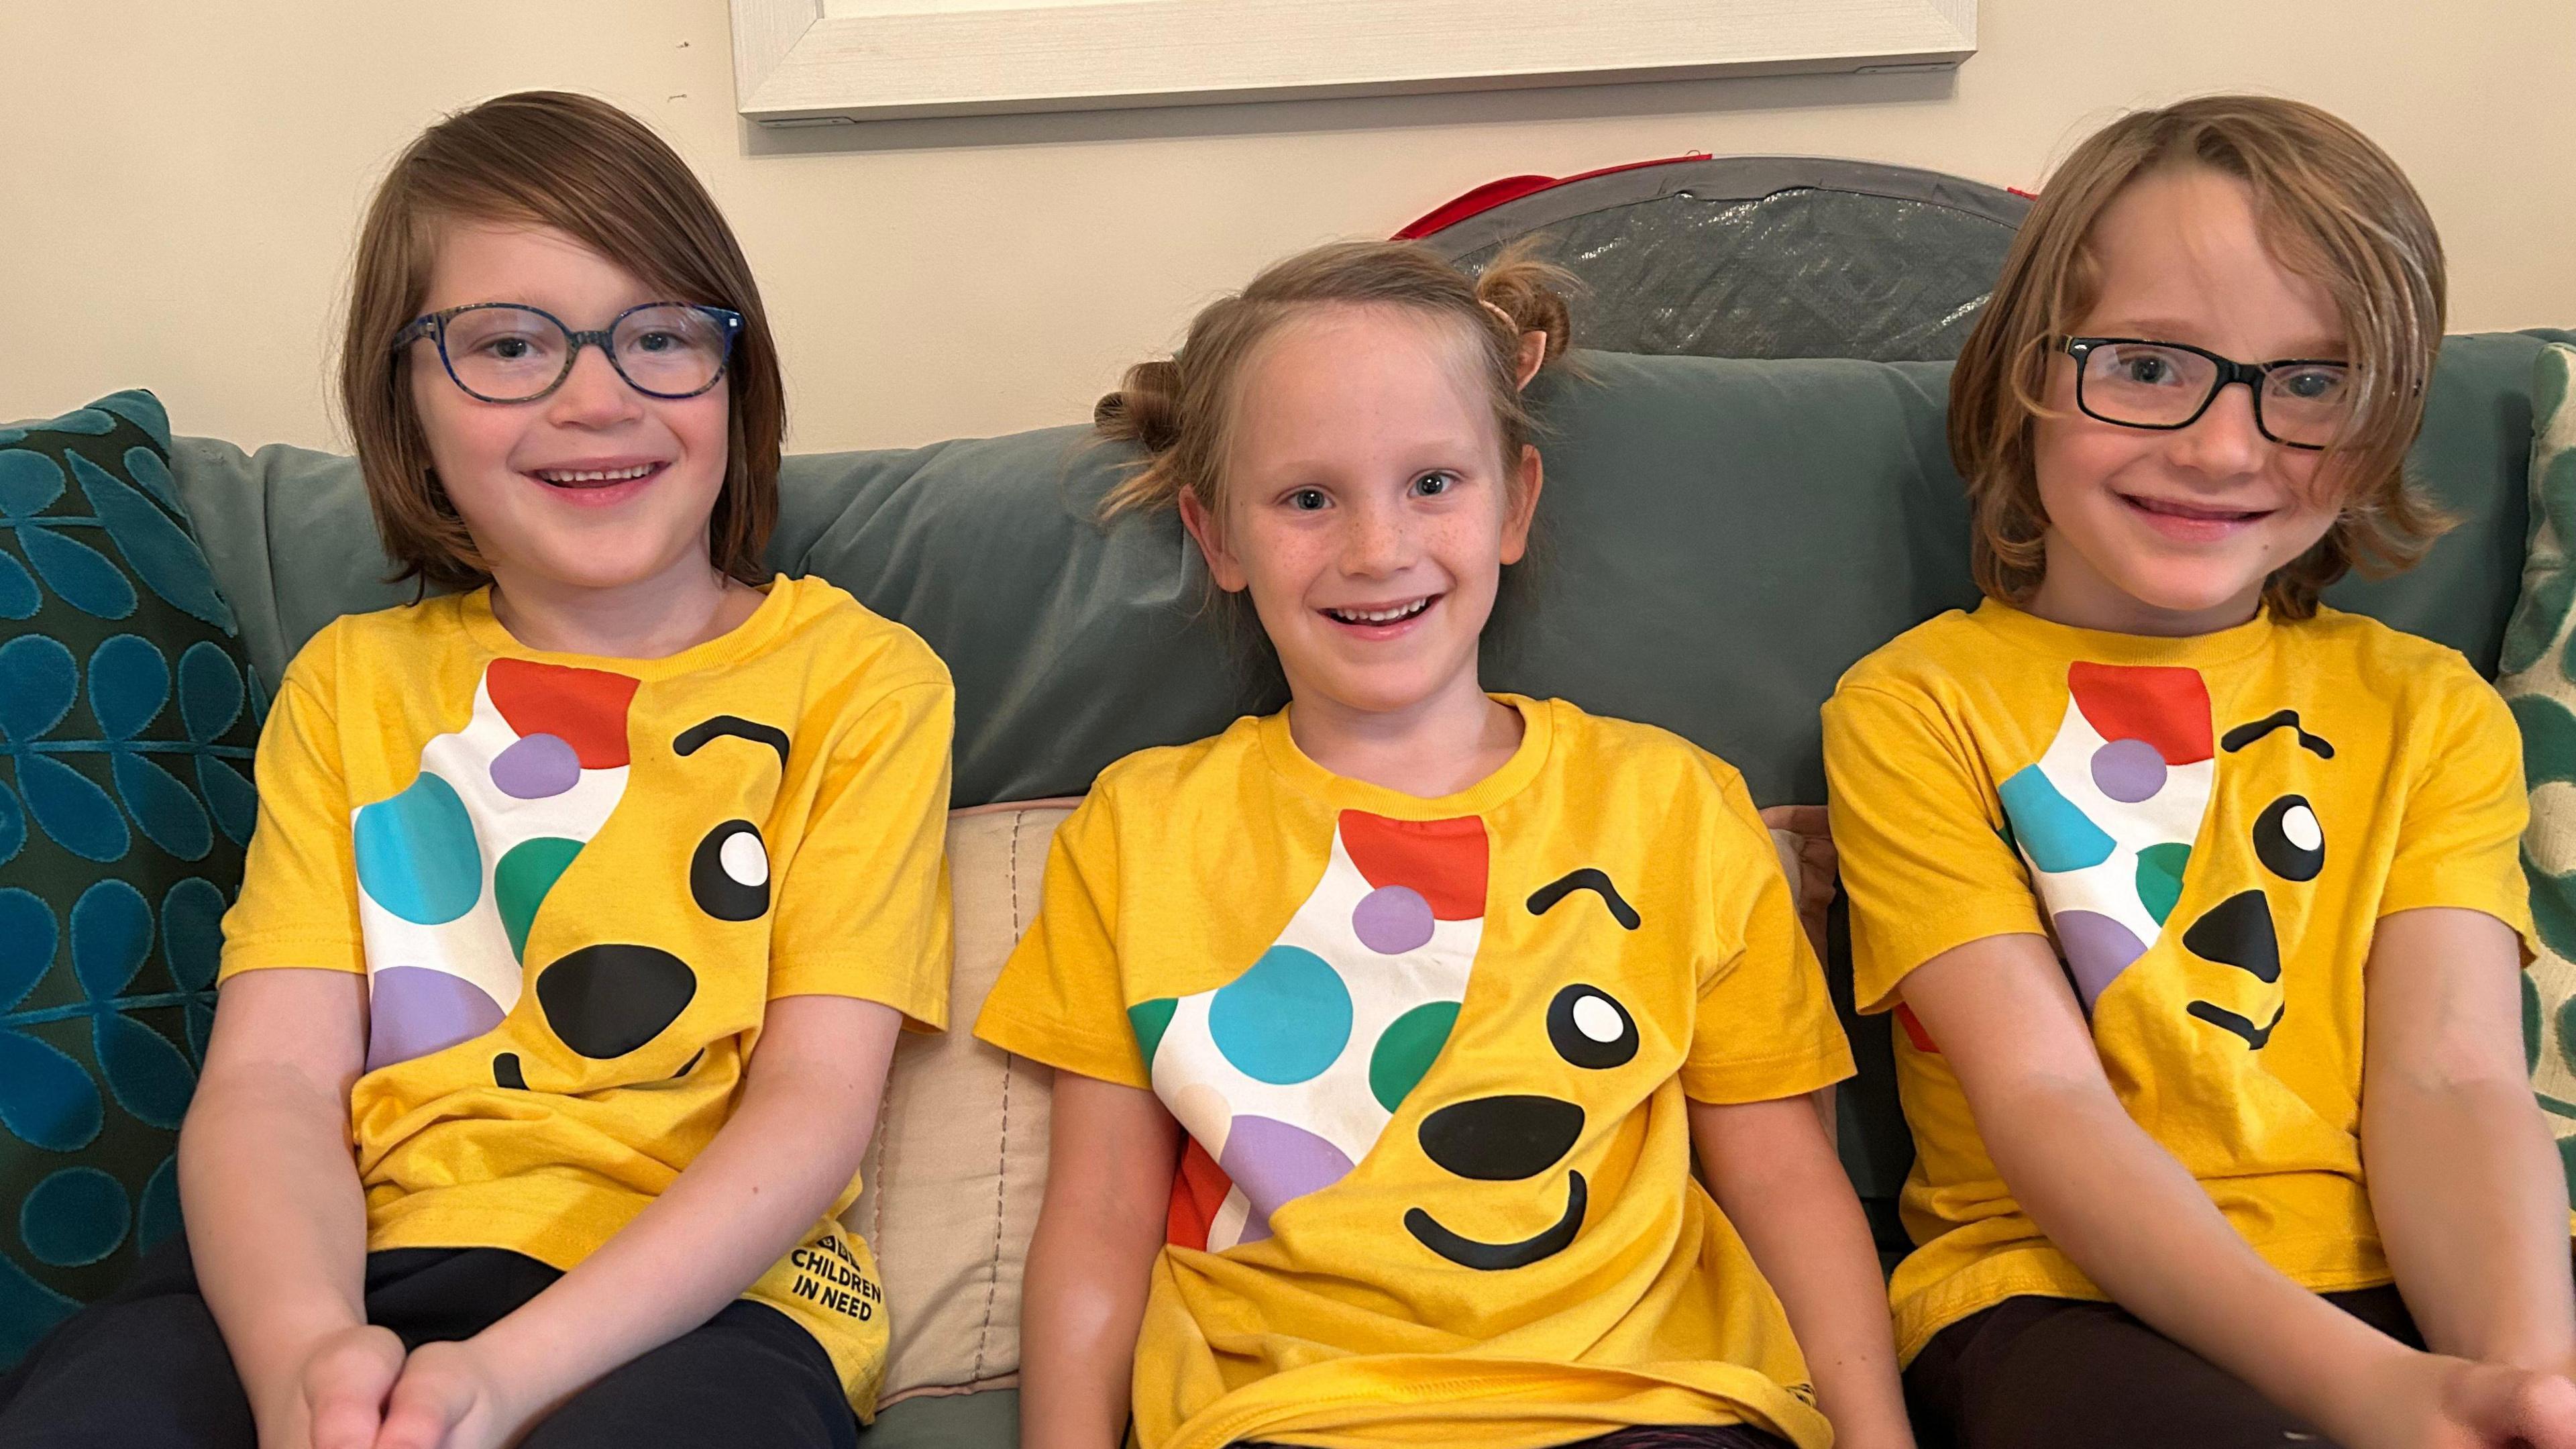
1763 256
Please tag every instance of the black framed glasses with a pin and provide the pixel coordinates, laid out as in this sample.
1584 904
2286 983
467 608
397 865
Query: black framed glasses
508 352
2300 402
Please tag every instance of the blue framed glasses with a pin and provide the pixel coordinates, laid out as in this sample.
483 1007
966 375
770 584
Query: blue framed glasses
508 352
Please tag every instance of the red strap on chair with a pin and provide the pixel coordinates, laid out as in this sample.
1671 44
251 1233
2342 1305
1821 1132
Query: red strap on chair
1512 188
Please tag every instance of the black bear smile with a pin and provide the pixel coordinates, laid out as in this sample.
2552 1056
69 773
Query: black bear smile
1494 1257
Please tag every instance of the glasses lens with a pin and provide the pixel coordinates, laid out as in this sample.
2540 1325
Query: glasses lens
505 353
674 351
2144 385
2308 403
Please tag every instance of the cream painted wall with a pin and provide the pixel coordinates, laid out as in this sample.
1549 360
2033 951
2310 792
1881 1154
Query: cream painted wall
181 180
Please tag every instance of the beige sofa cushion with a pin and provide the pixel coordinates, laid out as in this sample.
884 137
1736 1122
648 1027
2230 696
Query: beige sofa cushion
953 1175
958 1164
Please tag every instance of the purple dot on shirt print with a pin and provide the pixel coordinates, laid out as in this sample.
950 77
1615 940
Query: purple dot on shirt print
2128 771
415 1010
2097 949
536 767
1392 920
1275 1164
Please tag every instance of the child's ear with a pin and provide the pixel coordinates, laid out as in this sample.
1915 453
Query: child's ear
1533 357
1524 507
1222 564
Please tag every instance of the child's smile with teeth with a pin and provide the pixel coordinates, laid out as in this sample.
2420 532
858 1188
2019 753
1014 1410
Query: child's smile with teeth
1380 614
589 477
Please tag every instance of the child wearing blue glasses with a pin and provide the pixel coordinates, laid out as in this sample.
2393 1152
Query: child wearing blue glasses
2198 902
587 897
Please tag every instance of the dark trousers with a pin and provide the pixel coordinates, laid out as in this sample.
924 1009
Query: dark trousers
145 1368
2055 1372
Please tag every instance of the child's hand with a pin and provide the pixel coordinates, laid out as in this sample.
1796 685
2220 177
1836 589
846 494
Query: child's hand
449 1397
344 1384
2450 1403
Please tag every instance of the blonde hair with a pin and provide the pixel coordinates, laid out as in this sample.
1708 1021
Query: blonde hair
2332 208
1183 408
587 169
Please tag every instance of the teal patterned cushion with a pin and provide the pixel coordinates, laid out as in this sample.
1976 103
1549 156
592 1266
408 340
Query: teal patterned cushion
127 721
2538 679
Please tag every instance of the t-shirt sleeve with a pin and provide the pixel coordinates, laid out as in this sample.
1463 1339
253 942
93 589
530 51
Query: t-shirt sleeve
1061 997
1924 861
2459 838
299 895
1765 1027
863 904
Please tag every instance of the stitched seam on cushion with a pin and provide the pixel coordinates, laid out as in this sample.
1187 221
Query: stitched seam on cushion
876 1203
1001 1149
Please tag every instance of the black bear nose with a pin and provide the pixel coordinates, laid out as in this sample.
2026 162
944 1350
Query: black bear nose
2238 932
1501 1139
606 1000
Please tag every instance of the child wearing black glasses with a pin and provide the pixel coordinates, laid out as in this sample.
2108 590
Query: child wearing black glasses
2198 903
587 896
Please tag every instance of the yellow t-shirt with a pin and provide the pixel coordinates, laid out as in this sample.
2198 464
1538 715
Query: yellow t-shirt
575 883
2209 830
1431 1056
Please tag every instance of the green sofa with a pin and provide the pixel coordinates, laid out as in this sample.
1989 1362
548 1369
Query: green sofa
1718 542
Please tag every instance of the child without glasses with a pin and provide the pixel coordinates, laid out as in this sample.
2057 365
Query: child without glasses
2198 902
1428 993
585 902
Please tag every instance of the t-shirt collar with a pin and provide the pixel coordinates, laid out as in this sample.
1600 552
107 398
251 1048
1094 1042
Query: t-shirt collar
1537 732
474 612
2019 626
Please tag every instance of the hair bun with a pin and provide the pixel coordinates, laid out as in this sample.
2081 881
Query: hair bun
1146 408
1530 293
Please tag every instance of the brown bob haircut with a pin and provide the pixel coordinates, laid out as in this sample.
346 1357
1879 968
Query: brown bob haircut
1182 409
2334 209
589 170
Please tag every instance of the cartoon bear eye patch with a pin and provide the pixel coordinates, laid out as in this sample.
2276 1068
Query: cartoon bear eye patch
2289 841
1545 898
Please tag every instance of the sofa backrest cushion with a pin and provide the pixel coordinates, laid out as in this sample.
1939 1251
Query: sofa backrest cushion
1719 540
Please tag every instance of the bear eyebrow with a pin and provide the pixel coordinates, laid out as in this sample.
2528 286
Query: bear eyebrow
2285 719
1588 878
697 736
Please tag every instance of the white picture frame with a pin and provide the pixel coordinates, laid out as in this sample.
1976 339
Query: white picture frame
833 62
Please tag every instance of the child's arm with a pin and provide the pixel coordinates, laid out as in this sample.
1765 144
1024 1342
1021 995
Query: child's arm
2127 1213
277 1224
2469 1194
1110 1160
1772 1168
808 1107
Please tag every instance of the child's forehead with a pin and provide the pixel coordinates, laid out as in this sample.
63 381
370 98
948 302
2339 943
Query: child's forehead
1364 349
1327 332
481 260
2183 250
1377 359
